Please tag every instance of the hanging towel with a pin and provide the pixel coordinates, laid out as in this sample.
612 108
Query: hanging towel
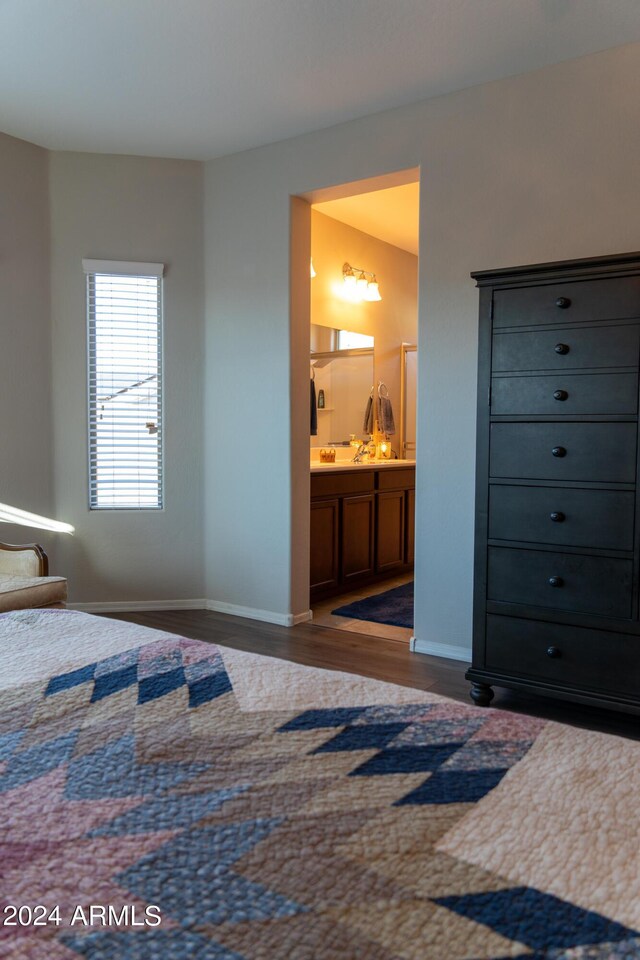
314 410
367 426
386 422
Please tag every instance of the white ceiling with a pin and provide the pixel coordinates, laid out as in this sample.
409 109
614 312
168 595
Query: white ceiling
391 214
204 78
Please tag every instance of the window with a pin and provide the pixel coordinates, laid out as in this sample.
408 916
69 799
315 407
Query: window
348 340
124 312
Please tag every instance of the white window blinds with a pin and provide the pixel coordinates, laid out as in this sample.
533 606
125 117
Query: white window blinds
124 310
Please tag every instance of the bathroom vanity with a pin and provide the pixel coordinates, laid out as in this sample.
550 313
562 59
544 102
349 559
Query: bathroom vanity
362 523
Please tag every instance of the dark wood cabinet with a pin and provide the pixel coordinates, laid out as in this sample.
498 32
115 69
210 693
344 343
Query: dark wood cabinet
361 527
410 527
557 560
390 530
357 538
325 571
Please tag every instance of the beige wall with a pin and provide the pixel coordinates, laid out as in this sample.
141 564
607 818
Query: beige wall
25 328
537 167
129 208
390 321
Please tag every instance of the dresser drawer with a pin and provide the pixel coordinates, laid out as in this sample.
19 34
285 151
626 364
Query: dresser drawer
565 394
601 452
572 656
615 298
562 516
566 349
564 581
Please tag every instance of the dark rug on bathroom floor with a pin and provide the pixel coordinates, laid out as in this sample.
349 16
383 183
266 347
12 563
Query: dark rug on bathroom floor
393 606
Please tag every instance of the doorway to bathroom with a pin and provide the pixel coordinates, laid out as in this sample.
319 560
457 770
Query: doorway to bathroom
363 343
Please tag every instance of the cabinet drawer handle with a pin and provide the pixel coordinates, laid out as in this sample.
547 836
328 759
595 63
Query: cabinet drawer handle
554 652
559 451
557 516
562 348
556 582
563 302
560 395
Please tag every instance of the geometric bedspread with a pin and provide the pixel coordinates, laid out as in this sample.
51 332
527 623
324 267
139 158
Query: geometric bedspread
165 799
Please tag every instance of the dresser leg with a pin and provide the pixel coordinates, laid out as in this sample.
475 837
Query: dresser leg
481 694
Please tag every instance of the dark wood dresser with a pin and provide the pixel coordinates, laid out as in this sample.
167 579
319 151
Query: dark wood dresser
556 600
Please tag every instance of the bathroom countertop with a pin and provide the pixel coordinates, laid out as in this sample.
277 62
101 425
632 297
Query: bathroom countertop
342 465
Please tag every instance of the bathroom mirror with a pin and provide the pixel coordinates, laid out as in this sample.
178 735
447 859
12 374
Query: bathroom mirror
333 339
343 380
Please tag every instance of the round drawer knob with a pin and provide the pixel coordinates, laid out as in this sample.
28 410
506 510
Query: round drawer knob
554 652
559 451
556 582
557 516
561 348
563 302
560 395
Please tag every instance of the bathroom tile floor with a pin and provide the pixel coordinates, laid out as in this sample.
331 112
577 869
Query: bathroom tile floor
323 617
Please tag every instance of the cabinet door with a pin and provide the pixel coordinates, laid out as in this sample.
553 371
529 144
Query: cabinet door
357 537
324 544
390 528
410 528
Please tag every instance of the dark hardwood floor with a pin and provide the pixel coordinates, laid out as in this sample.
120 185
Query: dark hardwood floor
381 659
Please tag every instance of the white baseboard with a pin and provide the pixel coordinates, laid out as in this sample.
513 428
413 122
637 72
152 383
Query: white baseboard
253 613
303 617
133 606
446 650
233 609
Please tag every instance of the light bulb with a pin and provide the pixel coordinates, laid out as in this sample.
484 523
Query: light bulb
373 293
349 278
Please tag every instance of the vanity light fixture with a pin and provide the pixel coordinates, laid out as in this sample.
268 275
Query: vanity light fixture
361 284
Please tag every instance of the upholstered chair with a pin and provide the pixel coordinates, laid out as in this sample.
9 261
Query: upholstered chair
24 579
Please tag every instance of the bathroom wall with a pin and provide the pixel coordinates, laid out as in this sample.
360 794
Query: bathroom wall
390 321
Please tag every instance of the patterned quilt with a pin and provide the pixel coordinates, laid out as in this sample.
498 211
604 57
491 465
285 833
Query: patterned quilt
165 799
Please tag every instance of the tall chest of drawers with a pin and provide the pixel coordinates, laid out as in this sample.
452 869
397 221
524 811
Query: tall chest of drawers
557 557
